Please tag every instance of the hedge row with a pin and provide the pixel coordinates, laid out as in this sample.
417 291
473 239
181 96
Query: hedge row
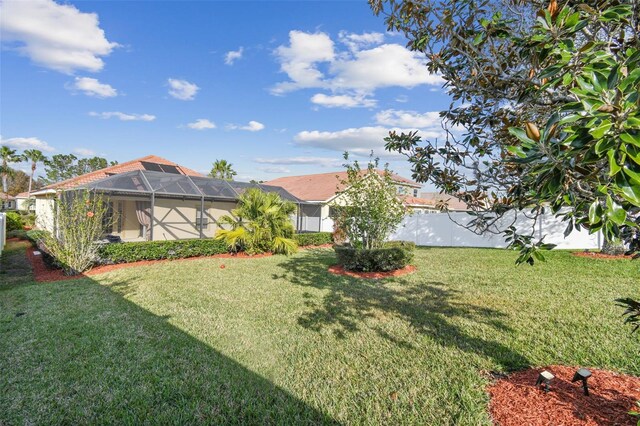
156 250
394 255
313 239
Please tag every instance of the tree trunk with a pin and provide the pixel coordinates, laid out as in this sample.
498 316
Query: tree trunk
33 171
613 248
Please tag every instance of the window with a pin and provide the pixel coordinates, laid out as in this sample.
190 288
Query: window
415 192
202 222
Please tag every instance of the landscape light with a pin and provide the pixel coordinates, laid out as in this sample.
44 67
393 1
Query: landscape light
545 377
582 374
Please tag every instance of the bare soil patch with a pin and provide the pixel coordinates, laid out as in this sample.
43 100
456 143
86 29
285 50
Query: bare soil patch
339 270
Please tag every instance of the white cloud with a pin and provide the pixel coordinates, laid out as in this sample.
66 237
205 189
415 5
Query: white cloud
27 143
301 161
123 116
391 117
182 89
85 152
232 56
275 169
358 41
299 60
201 124
359 140
342 101
402 99
92 87
253 126
55 36
311 60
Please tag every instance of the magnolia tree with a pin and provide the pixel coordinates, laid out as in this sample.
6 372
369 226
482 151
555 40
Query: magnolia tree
80 220
545 109
368 209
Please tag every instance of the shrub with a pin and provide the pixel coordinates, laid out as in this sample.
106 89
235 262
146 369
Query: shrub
393 255
260 223
14 222
17 233
313 238
369 209
36 235
81 218
156 250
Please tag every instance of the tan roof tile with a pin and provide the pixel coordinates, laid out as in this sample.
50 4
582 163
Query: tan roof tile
322 186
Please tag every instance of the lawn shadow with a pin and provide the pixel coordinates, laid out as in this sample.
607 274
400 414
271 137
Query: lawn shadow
430 307
83 353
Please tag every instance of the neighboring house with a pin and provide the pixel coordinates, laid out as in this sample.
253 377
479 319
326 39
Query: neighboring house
7 202
321 191
152 198
22 202
451 202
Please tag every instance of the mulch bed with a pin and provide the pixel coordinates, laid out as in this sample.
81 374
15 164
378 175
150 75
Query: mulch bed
596 255
42 273
516 401
339 270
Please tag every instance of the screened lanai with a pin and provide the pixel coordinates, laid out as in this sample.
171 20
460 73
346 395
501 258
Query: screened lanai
153 205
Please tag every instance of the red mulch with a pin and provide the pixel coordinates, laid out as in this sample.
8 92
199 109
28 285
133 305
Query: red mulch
42 273
516 401
339 270
596 255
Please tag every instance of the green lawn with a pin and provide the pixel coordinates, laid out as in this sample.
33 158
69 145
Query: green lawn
278 340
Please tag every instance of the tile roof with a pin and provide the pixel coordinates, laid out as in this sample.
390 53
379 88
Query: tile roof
119 168
418 202
323 186
452 202
4 196
24 194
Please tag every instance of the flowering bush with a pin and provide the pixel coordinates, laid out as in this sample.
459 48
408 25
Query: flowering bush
80 218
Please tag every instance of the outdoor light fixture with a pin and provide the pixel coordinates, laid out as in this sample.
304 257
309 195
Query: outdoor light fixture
545 377
582 374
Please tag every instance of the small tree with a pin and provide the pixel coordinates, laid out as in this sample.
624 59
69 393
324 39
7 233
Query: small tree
222 169
368 210
80 219
260 223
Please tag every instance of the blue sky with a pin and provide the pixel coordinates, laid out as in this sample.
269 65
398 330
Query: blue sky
276 88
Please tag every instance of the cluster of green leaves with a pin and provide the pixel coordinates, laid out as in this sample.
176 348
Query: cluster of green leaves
587 157
36 235
157 250
222 169
80 218
14 221
313 238
545 109
391 256
367 208
261 223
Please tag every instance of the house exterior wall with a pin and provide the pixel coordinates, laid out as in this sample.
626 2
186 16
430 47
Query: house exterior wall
44 213
23 204
176 219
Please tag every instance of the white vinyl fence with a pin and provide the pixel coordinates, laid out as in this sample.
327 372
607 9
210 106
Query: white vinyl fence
3 231
440 230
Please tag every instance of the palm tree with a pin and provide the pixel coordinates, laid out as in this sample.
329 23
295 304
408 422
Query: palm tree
7 155
35 156
222 170
260 223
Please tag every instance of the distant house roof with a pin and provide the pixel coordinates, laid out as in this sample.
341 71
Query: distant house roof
452 202
6 197
145 163
323 186
418 202
23 194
